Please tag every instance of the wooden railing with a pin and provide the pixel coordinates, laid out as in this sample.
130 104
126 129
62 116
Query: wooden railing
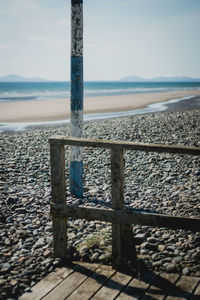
123 249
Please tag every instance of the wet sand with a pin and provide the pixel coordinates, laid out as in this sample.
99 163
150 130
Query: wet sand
59 109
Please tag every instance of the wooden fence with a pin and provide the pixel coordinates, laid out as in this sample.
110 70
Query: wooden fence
123 249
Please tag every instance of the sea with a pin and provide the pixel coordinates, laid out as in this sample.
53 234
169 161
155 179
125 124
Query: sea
26 91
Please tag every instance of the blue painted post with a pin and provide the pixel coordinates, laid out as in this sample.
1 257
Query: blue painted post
76 160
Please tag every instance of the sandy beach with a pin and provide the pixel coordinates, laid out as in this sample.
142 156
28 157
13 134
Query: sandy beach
59 109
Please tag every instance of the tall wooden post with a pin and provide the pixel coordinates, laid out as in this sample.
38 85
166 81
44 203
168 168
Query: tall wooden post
76 160
58 197
123 248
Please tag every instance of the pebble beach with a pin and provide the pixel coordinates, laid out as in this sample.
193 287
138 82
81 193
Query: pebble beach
162 183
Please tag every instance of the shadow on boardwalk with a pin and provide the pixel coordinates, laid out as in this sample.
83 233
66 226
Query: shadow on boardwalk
93 281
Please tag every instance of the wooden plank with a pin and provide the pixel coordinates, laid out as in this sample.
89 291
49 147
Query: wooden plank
197 290
112 287
72 282
63 140
89 287
47 284
134 290
161 286
123 217
58 196
175 298
186 285
154 293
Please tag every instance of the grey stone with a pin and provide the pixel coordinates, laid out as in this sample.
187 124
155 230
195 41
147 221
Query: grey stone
186 271
171 267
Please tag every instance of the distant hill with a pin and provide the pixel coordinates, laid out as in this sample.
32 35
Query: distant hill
18 78
160 79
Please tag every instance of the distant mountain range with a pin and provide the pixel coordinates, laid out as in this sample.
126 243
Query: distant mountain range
160 79
17 78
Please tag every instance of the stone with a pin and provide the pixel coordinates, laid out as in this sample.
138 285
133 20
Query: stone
139 238
186 271
12 200
171 267
95 257
161 248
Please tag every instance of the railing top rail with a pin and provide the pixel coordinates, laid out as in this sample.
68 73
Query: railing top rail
110 144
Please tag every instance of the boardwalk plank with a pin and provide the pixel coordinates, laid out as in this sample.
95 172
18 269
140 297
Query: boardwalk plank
161 286
137 287
134 290
175 298
187 284
47 284
113 287
72 282
197 290
93 283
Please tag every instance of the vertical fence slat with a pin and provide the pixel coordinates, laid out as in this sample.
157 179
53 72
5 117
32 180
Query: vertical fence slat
123 248
58 196
117 202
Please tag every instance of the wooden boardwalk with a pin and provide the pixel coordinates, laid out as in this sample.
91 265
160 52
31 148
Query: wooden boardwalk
93 281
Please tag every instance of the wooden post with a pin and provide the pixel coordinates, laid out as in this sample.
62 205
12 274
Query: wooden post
76 160
57 153
123 248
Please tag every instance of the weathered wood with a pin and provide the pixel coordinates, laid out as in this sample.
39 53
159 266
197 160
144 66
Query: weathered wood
197 290
58 196
161 285
71 283
174 298
123 217
93 281
63 140
89 287
134 290
113 287
187 284
117 202
123 248
47 284
121 220
76 118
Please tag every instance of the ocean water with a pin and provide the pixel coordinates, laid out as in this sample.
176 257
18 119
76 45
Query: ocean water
17 91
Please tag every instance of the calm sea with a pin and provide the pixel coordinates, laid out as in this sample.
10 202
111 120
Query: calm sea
16 91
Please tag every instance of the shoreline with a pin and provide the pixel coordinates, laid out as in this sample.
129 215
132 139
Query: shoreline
59 110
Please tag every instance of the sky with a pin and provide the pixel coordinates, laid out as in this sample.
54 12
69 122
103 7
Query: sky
146 38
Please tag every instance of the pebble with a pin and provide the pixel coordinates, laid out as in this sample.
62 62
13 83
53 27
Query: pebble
186 271
161 183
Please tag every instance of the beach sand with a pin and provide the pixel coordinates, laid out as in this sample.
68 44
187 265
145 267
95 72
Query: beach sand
59 109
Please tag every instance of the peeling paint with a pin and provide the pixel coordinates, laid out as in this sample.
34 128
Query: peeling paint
77 30
76 156
76 153
76 123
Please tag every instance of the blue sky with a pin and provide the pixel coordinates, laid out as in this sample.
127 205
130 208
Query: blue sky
146 38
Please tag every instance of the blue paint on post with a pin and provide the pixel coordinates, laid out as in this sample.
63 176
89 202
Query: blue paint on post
76 176
75 2
77 83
